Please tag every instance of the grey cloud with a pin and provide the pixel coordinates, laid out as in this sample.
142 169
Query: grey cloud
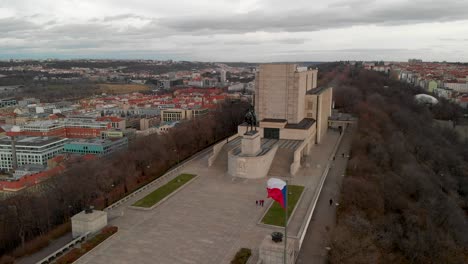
454 39
248 42
299 24
122 16
14 25
305 19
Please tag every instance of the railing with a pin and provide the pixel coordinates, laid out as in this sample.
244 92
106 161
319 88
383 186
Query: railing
52 257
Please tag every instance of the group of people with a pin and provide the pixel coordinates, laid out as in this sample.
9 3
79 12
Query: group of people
343 155
259 202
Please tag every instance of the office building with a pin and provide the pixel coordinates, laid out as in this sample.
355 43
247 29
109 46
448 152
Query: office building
7 102
29 150
96 146
85 127
170 115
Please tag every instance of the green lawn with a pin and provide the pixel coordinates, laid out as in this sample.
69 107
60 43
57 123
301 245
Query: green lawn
275 215
163 191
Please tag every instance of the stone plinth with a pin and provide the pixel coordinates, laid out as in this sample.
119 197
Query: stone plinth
251 143
88 222
272 253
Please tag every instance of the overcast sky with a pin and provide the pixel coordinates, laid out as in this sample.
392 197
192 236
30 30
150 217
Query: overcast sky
235 30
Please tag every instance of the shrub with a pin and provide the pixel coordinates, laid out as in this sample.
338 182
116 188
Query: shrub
242 256
87 246
109 230
32 246
59 230
70 257
7 259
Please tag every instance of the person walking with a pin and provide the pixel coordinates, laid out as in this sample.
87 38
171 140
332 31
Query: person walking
256 202
261 202
331 201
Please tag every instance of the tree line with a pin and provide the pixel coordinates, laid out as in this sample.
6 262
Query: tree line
102 181
405 195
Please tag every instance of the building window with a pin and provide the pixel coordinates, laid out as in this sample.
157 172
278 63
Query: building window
310 105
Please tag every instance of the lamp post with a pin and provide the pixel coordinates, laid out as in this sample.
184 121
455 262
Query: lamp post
178 157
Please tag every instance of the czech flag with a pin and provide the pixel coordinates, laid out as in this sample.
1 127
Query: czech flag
276 189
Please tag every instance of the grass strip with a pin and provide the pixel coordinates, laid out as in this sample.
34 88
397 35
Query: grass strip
275 215
163 191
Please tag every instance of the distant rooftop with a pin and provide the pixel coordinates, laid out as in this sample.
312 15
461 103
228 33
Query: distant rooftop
273 120
31 141
93 141
317 90
45 123
306 123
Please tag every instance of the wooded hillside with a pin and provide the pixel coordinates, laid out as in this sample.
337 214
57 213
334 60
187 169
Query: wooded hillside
404 198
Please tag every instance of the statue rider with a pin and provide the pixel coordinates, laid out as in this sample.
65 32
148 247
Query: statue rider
251 120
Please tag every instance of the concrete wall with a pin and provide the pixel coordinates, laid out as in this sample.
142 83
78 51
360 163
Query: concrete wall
301 151
280 91
311 106
297 134
217 148
297 113
271 90
294 134
319 107
324 111
251 167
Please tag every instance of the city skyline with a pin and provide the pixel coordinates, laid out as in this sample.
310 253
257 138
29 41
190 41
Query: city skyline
251 31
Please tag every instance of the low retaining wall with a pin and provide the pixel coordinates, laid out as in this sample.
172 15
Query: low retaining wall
217 148
254 167
52 257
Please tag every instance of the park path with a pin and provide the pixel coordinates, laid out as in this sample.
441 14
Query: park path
314 248
51 248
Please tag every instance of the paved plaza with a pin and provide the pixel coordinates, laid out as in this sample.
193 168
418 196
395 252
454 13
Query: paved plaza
208 220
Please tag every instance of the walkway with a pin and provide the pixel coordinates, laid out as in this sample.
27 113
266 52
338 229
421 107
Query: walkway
207 221
51 248
324 218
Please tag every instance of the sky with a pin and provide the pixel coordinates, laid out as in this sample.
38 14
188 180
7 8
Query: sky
235 30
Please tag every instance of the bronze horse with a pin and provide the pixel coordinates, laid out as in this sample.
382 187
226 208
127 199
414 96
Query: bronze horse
251 120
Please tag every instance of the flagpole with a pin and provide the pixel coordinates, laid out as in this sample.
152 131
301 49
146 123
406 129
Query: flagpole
286 223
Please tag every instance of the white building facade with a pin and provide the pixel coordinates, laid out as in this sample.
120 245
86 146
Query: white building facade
30 150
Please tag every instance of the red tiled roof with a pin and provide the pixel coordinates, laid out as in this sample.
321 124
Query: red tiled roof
89 157
109 118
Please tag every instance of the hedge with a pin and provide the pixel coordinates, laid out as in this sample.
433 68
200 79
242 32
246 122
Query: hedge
242 256
74 254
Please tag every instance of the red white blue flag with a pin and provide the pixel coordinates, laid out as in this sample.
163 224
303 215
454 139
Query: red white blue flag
276 189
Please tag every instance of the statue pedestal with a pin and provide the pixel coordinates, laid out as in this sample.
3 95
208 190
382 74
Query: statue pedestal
251 143
251 161
273 253
88 222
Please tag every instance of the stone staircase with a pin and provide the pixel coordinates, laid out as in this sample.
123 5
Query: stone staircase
281 163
